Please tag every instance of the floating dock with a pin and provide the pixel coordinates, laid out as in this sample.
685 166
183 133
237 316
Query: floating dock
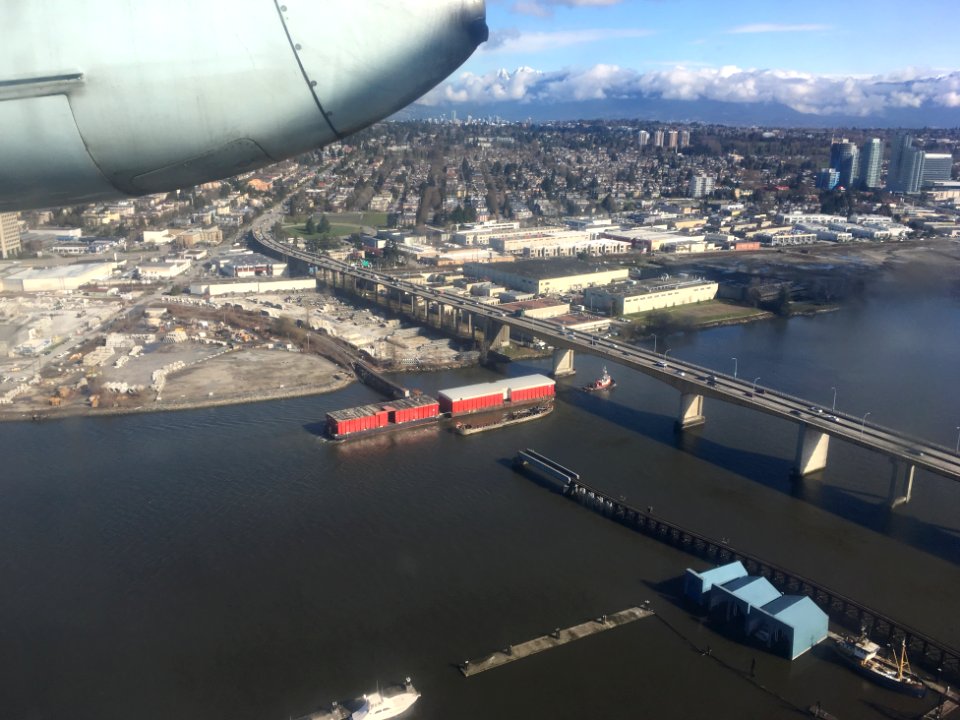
555 639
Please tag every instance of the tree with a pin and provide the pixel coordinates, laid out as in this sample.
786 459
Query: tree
781 305
323 227
311 226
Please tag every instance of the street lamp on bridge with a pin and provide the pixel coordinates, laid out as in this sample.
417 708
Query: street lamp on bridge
734 367
863 421
755 383
958 439
834 408
665 353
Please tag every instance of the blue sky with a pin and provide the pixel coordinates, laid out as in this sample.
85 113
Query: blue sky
841 57
838 37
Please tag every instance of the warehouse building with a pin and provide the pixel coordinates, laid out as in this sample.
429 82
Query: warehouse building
251 265
64 277
212 289
485 396
547 276
635 297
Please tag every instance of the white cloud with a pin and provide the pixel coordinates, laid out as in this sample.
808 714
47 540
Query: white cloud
803 92
777 28
544 8
513 41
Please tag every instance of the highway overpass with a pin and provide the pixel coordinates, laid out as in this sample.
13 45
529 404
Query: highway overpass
816 425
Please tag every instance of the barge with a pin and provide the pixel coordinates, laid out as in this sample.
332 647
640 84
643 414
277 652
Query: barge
514 417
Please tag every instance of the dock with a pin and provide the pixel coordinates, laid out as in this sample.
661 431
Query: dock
379 382
949 702
555 639
924 651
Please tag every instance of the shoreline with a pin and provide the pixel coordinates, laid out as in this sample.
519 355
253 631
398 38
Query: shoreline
55 414
51 414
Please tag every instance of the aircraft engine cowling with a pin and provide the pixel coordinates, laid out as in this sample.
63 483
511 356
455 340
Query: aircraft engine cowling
151 97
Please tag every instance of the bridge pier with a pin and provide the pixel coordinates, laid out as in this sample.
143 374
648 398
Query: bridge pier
691 411
497 335
901 482
812 446
563 362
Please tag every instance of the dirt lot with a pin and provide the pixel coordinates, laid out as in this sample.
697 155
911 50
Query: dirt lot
231 377
251 375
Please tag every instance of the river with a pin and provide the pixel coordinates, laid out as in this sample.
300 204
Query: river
229 563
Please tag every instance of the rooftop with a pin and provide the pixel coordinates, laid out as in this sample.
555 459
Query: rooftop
557 267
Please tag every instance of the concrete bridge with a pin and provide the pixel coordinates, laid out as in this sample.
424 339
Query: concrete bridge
816 425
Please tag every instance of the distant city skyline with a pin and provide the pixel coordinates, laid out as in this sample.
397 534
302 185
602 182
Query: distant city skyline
860 60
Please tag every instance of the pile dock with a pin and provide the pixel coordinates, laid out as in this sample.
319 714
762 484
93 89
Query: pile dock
925 651
555 639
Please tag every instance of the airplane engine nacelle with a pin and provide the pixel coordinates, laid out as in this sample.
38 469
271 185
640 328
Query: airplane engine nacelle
141 97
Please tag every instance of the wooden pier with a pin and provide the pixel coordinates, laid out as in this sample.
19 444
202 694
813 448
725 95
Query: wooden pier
555 639
924 651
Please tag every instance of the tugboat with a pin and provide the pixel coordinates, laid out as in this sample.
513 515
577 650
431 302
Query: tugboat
604 382
862 655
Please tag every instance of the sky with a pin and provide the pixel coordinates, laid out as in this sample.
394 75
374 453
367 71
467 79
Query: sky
848 56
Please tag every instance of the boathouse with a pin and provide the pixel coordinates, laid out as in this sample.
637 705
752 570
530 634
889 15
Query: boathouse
732 603
696 585
747 606
789 625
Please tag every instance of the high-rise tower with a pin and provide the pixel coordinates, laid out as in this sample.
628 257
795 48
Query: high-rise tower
871 157
844 158
9 235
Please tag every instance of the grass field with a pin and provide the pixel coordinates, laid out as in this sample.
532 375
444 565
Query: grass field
342 223
705 313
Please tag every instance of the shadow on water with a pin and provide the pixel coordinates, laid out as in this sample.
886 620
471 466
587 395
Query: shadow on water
867 510
316 428
765 469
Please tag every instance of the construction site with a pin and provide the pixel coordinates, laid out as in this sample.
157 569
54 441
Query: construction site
183 351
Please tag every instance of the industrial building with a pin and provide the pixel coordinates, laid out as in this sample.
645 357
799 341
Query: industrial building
647 239
635 297
751 607
539 308
163 270
484 396
251 265
212 289
381 416
547 276
64 277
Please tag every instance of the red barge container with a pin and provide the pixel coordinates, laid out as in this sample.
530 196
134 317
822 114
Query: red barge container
484 396
380 417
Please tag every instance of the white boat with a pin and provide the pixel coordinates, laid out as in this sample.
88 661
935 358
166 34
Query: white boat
383 703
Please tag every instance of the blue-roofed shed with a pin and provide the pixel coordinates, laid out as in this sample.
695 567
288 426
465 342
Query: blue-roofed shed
734 601
791 624
696 586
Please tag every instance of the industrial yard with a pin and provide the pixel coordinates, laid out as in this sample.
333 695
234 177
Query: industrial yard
97 353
